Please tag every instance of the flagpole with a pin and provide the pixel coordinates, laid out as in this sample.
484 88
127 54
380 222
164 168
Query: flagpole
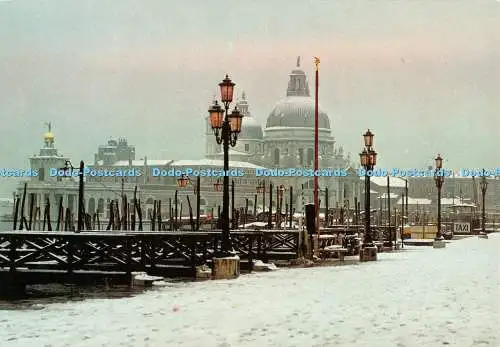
316 147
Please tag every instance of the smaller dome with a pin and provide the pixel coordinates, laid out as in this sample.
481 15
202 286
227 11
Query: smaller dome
48 136
250 128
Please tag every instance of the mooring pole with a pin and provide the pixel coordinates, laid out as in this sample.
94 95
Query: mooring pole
81 207
198 189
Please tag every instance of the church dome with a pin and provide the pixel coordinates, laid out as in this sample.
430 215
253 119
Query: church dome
297 108
250 128
296 111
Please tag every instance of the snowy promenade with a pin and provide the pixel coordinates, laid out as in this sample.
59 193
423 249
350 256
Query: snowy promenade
419 297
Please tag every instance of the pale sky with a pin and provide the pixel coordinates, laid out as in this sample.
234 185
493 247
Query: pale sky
423 75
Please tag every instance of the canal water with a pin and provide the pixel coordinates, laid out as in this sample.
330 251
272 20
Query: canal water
418 297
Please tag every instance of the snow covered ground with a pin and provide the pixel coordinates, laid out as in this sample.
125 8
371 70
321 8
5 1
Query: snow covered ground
419 297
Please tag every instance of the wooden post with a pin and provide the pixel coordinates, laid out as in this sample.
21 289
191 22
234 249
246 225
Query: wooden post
327 207
246 211
153 216
16 212
175 210
134 208
158 216
60 211
47 212
270 216
81 206
125 212
23 201
117 214
232 204
191 220
139 213
180 216
111 216
290 219
255 205
170 214
31 204
389 209
198 199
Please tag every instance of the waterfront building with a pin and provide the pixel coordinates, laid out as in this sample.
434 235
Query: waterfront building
286 141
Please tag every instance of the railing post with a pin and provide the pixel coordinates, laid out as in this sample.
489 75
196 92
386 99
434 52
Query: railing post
13 253
128 249
70 257
250 252
143 252
152 255
193 254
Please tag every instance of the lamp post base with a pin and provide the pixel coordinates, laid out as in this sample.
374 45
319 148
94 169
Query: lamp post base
483 235
368 253
439 243
226 268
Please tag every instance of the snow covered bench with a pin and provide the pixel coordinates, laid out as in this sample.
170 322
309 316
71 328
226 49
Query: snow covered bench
332 251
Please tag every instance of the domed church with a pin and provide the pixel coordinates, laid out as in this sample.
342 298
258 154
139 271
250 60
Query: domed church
287 141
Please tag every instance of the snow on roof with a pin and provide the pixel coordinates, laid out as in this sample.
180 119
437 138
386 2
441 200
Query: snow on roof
150 162
215 163
416 201
456 202
394 182
391 196
186 162
461 205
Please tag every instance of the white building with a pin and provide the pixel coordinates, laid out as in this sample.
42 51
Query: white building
287 141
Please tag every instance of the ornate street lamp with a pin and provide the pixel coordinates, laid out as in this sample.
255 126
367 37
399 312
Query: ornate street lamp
484 187
183 181
439 179
226 128
368 160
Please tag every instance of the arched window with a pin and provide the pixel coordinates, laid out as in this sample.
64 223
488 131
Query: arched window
277 156
91 208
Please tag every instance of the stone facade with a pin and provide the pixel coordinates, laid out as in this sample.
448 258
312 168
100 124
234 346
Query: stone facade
287 141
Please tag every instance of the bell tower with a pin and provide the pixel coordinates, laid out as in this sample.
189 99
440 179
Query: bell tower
48 157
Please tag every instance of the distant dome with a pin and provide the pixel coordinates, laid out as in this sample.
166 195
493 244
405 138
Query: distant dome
250 128
297 108
296 111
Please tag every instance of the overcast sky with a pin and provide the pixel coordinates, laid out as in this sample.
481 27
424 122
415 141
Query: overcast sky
423 75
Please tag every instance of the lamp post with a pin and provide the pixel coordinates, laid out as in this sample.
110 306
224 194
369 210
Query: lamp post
226 128
439 179
484 187
368 159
